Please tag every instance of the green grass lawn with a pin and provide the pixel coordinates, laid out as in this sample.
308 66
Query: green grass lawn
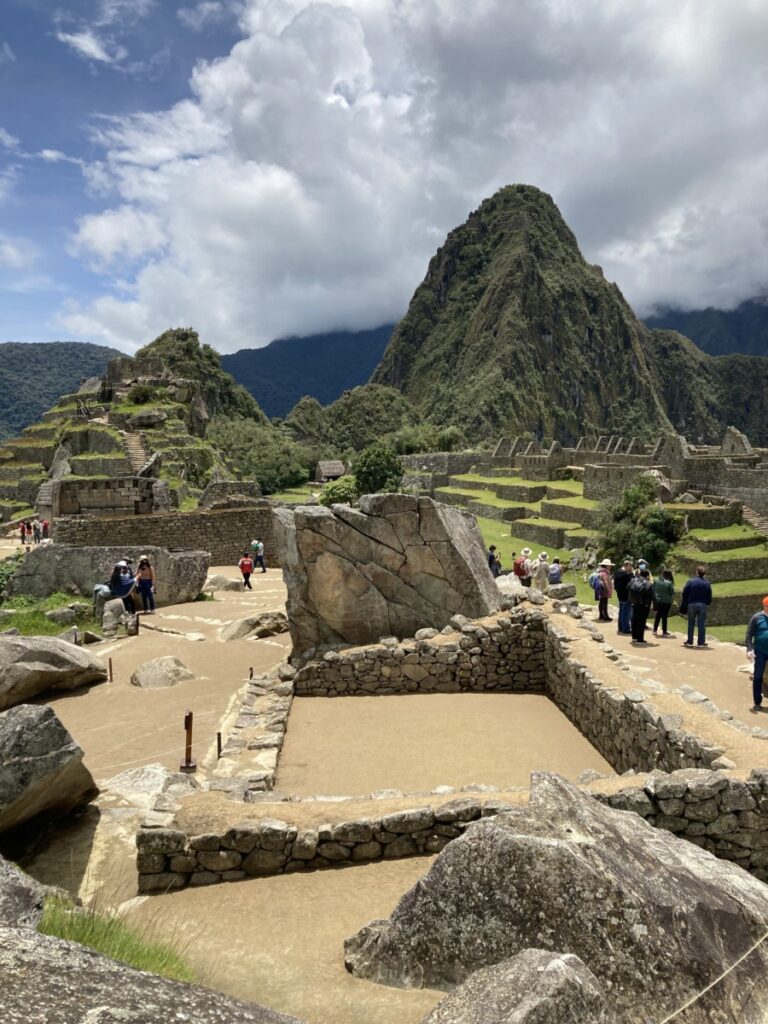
30 620
741 588
490 498
577 501
725 555
297 495
558 524
735 532
730 634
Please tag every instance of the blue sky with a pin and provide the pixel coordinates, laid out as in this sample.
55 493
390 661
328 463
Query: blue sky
259 168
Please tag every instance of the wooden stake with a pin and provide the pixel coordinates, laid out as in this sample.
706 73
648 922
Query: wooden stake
218 745
188 765
110 670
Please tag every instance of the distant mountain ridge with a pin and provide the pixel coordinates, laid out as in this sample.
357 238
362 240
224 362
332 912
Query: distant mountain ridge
33 375
720 332
322 366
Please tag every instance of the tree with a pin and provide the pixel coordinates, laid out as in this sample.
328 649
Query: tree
377 470
258 451
635 526
339 492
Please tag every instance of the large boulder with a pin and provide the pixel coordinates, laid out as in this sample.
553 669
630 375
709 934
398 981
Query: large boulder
142 786
654 918
50 568
160 673
261 624
31 665
45 979
41 767
217 581
395 565
21 898
534 987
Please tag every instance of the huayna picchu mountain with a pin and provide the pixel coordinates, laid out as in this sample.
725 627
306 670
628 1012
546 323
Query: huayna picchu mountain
512 330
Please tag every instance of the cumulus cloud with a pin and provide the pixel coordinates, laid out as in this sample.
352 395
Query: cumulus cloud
207 12
317 166
16 253
97 37
91 46
7 56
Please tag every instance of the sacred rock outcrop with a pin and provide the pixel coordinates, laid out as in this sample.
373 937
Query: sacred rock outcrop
257 626
41 767
655 919
31 665
534 987
395 565
160 673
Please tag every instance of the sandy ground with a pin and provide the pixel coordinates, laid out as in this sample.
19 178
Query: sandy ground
419 741
280 941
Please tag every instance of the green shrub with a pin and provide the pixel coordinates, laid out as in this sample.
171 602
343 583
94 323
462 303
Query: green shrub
8 567
377 470
635 526
107 933
142 394
339 492
258 451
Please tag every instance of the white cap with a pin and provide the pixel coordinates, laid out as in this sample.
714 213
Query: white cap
606 561
122 565
525 551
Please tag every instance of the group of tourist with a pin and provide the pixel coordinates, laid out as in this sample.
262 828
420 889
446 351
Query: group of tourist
123 583
530 571
249 561
33 531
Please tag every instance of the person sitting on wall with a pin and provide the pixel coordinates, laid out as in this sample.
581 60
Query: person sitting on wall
122 584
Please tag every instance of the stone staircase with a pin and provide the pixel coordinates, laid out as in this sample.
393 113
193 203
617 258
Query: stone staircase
136 450
755 519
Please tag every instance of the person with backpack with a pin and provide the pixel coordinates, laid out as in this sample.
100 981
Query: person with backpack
555 575
621 580
541 574
641 600
664 592
257 551
521 567
695 602
603 587
246 568
756 642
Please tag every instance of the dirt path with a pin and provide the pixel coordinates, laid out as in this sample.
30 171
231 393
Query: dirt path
280 941
352 745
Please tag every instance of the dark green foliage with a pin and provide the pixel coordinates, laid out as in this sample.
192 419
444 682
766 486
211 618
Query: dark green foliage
425 437
181 352
34 375
356 420
636 527
339 492
142 394
258 451
720 332
377 470
322 365
8 567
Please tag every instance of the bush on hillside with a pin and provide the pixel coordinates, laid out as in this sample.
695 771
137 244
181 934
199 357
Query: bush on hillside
377 470
142 394
635 526
258 451
339 492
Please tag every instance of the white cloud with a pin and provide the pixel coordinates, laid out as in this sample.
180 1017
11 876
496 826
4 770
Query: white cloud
317 166
206 12
16 253
88 44
7 56
7 140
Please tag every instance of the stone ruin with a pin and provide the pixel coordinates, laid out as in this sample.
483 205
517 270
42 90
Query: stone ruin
395 565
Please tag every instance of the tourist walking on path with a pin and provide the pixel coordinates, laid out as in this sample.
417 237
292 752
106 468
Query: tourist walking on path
37 532
696 599
145 581
246 568
541 576
664 592
641 599
621 581
604 589
757 649
122 584
522 567
257 551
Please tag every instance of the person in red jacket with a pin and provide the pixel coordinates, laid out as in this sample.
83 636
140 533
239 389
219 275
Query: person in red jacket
246 568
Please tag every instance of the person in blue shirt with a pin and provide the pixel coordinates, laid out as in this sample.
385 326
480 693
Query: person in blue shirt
122 584
757 650
696 599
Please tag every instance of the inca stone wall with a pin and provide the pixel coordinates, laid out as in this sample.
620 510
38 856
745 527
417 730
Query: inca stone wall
226 533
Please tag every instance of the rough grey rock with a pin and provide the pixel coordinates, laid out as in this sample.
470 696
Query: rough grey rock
21 898
161 673
44 980
394 566
229 491
62 616
141 787
31 665
162 500
534 987
218 582
258 625
41 767
152 466
511 589
561 591
655 919
52 567
113 614
60 467
150 418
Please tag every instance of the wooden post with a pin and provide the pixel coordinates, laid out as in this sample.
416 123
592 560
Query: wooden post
188 765
110 669
250 672
218 745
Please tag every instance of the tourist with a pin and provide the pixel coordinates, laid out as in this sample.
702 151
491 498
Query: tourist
22 532
491 556
603 589
36 531
664 592
621 580
641 599
246 568
696 599
145 582
27 532
541 573
757 650
555 575
522 567
46 528
122 584
257 550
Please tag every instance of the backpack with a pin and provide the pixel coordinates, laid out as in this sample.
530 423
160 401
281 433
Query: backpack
635 589
592 580
555 574
518 567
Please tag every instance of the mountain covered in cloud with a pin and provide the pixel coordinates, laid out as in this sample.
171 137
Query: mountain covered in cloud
33 375
720 332
512 330
322 366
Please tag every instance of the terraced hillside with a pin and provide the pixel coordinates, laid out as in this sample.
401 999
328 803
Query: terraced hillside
555 516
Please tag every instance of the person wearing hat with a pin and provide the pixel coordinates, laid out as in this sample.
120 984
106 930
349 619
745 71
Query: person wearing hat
522 567
604 589
145 583
757 650
541 576
122 584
